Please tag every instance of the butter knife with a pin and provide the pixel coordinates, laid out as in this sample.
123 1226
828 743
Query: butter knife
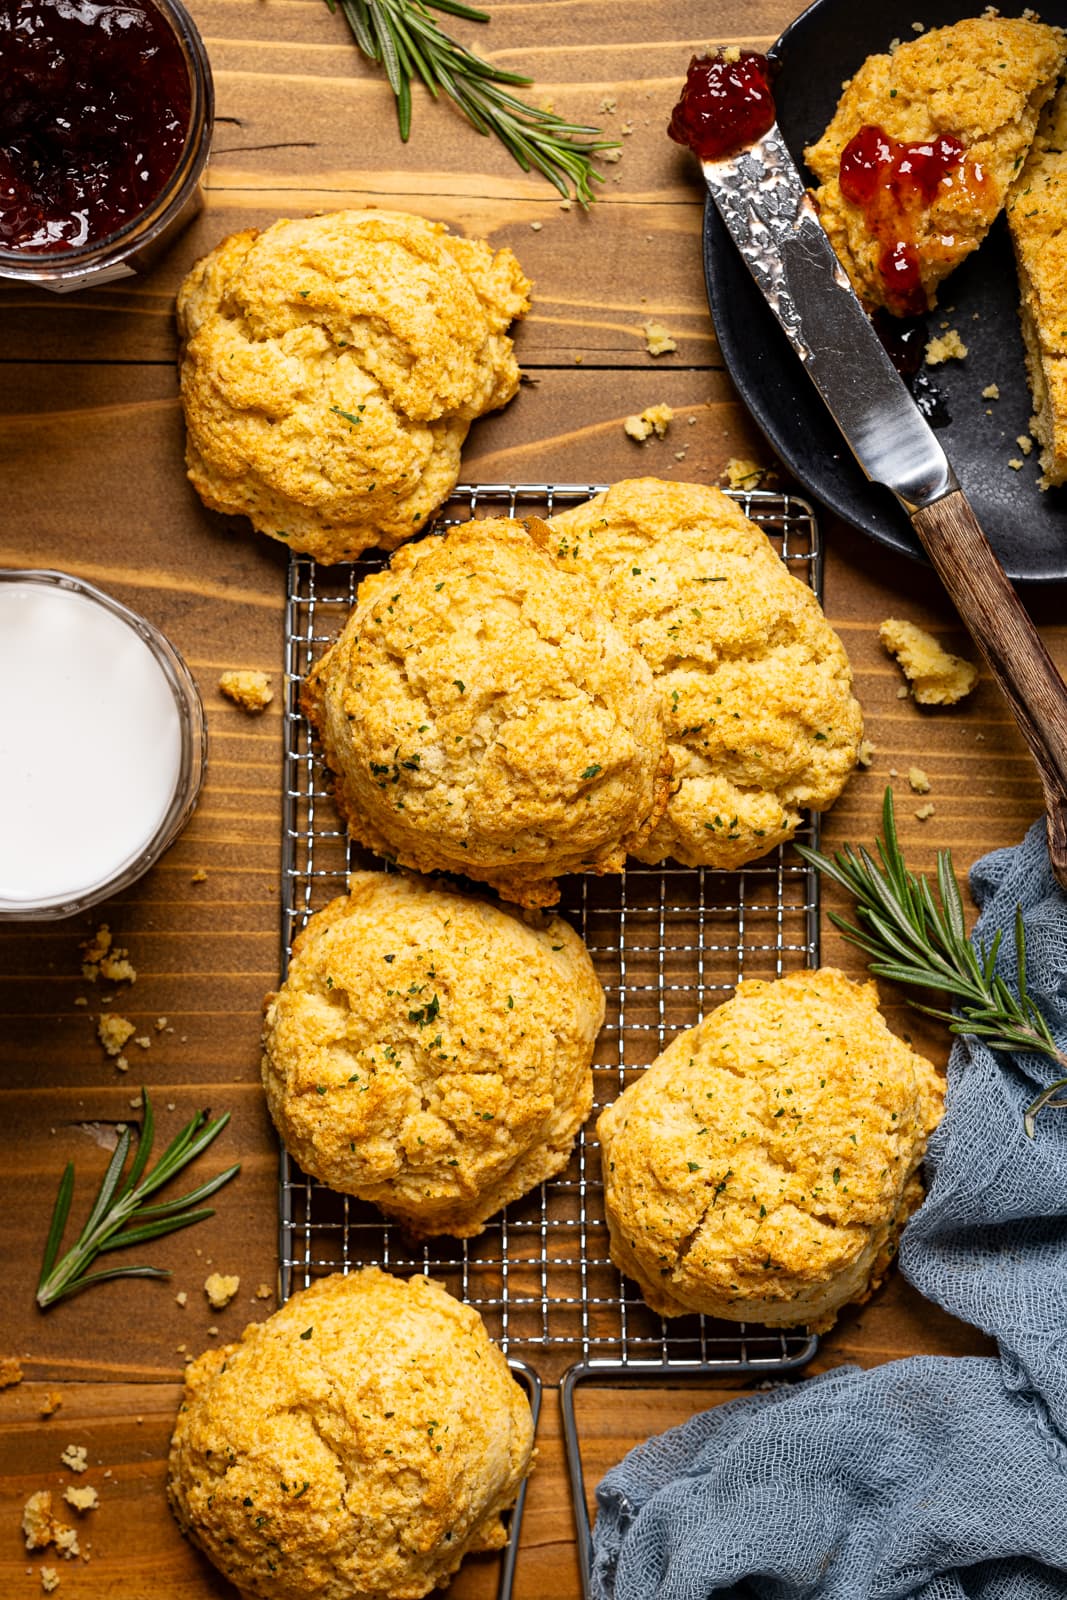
772 220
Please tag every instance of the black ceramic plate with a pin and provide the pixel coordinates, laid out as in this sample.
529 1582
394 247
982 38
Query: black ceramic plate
1027 529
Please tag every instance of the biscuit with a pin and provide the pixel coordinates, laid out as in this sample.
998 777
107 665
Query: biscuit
982 81
431 1052
1037 217
483 715
331 368
755 685
354 1446
761 1168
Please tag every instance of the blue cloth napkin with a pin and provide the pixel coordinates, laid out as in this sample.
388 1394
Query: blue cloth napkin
934 1478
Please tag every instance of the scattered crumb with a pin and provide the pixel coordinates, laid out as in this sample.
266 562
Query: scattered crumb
692 421
136 1103
893 772
731 53
991 391
656 419
609 155
1016 463
1025 443
199 876
51 1403
144 1041
82 1499
865 753
938 678
658 341
679 455
946 347
535 227
626 129
980 738
740 473
264 1291
182 1297
114 1031
76 1457
918 780
249 690
101 956
220 1289
925 812
81 1001
38 1523
95 949
578 360
608 104
49 1579
10 1371
566 205
122 1064
903 692
160 1024
212 1333
918 27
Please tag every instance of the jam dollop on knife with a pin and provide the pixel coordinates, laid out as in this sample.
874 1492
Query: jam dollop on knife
893 184
725 105
95 103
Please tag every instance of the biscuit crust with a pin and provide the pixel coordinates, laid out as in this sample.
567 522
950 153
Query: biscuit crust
431 1052
1037 216
354 1446
483 715
984 81
762 1167
755 686
331 368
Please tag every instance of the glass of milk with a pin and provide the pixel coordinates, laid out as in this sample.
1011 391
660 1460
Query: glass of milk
103 745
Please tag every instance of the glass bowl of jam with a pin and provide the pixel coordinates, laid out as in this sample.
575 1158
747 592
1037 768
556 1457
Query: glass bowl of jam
106 115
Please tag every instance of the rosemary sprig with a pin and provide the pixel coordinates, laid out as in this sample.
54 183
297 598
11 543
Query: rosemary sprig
119 1215
405 38
918 937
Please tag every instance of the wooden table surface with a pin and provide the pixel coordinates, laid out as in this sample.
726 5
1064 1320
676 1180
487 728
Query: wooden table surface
91 468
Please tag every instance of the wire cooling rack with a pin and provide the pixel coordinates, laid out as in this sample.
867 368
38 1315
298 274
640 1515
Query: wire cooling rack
668 944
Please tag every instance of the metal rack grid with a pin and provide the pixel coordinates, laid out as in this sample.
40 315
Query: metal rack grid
667 942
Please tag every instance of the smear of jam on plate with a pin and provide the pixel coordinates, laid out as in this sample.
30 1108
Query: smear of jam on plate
894 184
725 105
94 109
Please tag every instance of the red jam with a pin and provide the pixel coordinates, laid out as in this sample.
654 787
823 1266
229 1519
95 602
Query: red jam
893 184
725 104
95 105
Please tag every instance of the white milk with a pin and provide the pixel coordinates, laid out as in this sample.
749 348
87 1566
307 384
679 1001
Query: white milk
90 743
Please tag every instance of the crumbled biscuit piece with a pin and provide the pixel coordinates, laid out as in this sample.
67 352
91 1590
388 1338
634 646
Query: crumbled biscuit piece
220 1289
51 1403
83 1499
122 1064
66 1541
249 690
626 129
199 876
38 1523
10 1371
95 949
741 473
658 341
925 812
991 391
608 104
1016 463
76 1457
264 1291
114 1031
946 347
918 780
182 1298
535 227
1025 443
937 678
609 155
865 753
656 419
731 53
160 1024
565 205
81 1001
49 1580
144 1041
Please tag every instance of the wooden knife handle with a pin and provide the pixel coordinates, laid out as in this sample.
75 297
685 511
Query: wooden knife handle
1001 628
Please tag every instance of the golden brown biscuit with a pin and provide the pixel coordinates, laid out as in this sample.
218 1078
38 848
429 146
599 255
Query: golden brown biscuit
982 82
354 1446
431 1052
762 1166
1037 216
331 368
756 687
484 716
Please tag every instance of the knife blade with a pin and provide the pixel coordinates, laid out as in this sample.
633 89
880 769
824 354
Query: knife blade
772 220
